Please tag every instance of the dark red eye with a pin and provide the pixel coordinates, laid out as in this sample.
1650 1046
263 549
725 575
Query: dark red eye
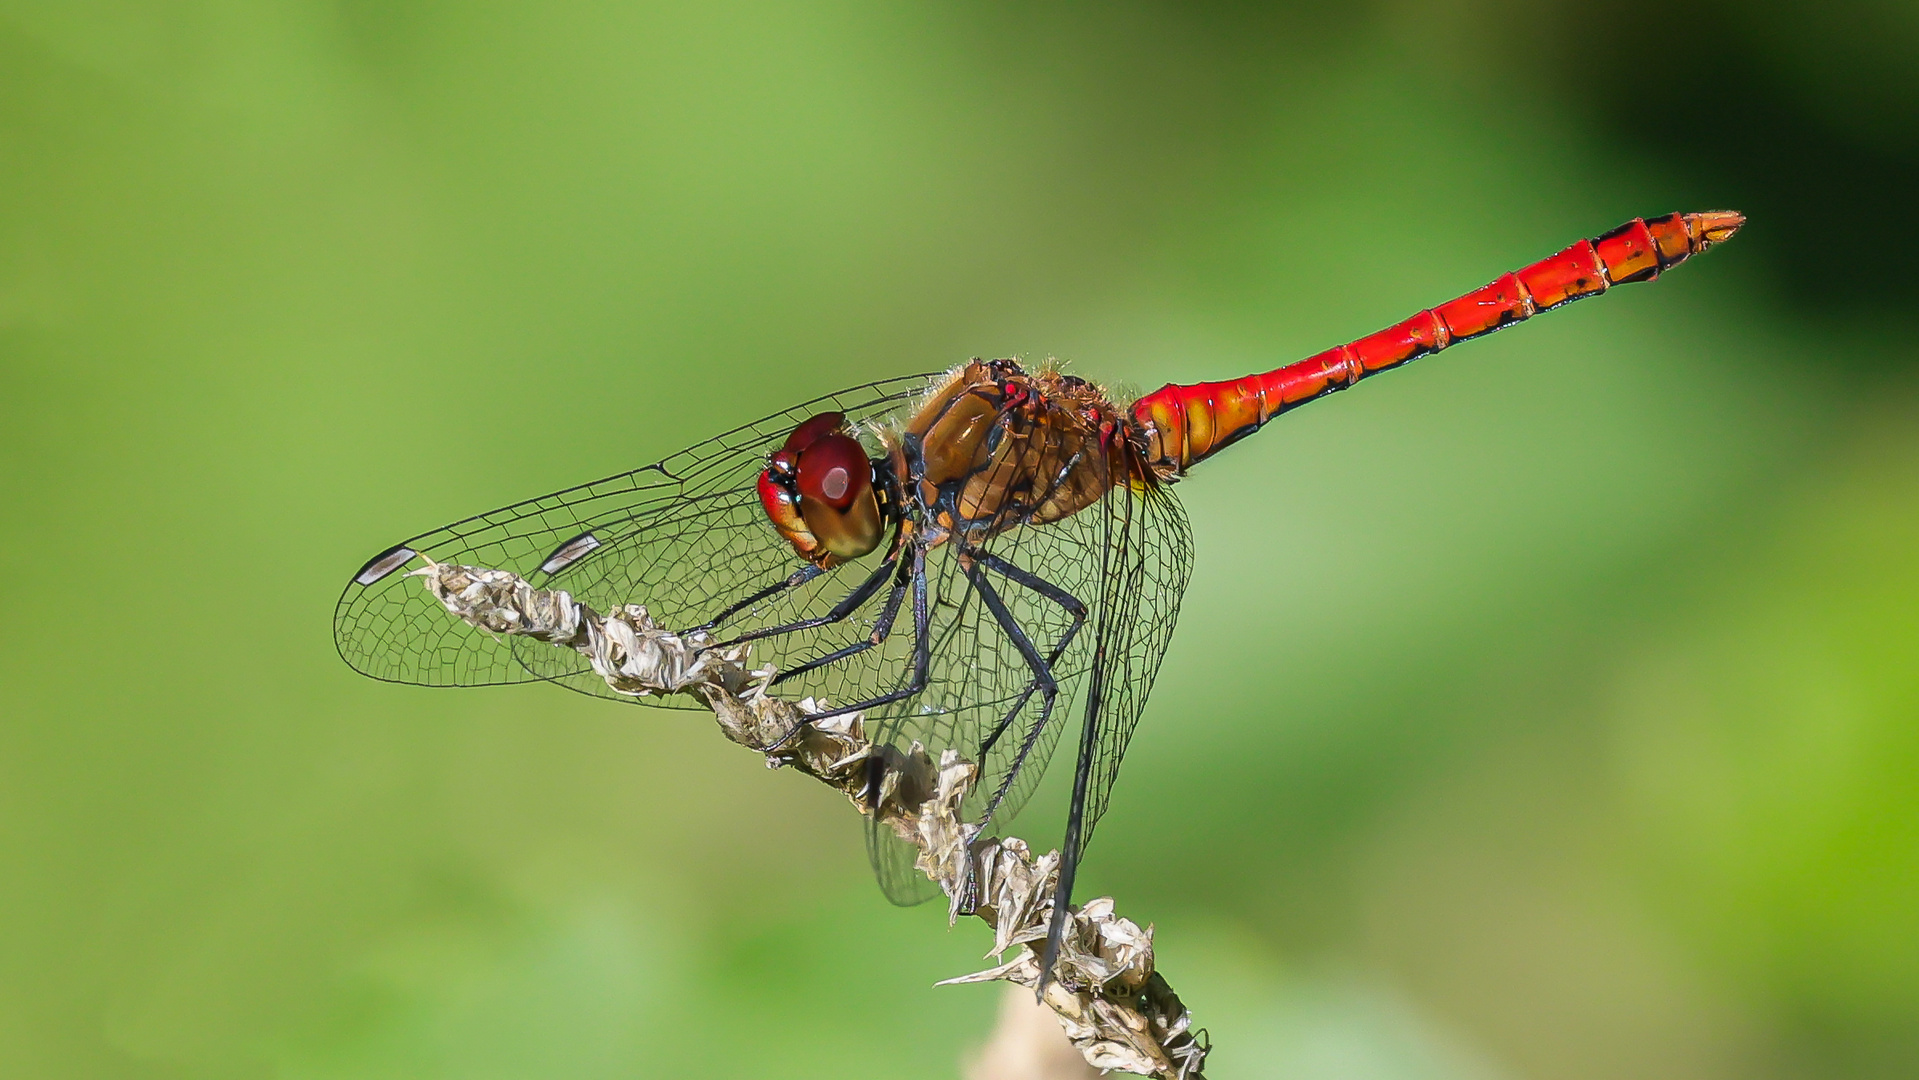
810 432
834 470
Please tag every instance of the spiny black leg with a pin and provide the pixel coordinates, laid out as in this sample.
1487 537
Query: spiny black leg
922 660
1042 672
970 901
922 650
798 578
847 606
1043 682
1075 608
1069 849
881 629
1047 589
1040 585
1019 760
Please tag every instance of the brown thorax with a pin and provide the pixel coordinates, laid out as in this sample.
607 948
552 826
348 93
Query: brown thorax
995 446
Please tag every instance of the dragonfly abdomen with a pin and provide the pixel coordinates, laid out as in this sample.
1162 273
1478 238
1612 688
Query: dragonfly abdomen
1185 424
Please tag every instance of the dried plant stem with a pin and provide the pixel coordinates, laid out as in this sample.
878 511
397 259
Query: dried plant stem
1113 1005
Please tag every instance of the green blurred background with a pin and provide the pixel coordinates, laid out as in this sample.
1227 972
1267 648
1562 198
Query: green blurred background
1548 710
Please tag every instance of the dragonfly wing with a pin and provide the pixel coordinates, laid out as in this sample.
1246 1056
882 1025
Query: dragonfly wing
715 546
1125 560
674 535
980 698
1147 561
893 866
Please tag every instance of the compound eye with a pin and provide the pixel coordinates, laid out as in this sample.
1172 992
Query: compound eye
834 469
813 430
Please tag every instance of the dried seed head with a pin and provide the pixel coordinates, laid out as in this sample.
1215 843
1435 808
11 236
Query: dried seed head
1109 999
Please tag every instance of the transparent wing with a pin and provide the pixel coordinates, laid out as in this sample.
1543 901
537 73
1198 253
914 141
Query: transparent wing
675 535
981 697
1144 577
1149 559
1126 559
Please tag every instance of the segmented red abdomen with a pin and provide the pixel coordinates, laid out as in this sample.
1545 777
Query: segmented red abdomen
1184 424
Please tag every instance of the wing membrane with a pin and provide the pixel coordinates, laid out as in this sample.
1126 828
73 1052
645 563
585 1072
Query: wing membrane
1149 560
1127 558
674 534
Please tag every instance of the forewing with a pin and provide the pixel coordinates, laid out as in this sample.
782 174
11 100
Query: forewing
674 535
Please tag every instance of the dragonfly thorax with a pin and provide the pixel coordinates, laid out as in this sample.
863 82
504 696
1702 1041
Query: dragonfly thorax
995 446
819 492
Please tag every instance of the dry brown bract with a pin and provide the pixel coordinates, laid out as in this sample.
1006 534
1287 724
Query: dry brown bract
1114 1007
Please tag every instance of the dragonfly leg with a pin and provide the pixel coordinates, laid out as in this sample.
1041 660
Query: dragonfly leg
922 659
1074 608
1043 682
847 606
797 579
1069 849
1077 610
881 629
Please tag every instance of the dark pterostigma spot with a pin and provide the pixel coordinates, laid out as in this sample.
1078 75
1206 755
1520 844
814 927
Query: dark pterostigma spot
569 553
384 563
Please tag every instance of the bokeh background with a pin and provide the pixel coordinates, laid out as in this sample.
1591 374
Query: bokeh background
1547 710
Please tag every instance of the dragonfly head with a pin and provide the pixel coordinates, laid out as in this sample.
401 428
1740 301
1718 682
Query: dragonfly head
818 492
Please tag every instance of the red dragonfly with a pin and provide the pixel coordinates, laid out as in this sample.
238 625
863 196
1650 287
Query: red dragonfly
1020 524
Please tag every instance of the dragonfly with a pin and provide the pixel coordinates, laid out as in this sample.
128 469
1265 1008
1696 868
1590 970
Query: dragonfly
987 560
